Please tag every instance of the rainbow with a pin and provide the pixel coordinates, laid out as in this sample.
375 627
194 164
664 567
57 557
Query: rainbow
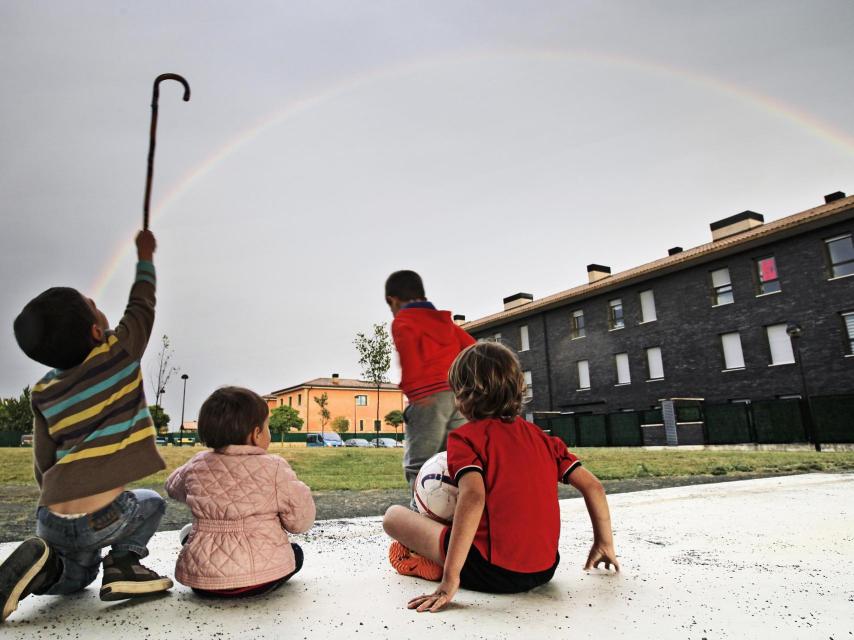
747 96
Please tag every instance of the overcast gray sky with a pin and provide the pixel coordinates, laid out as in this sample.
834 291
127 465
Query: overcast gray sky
494 147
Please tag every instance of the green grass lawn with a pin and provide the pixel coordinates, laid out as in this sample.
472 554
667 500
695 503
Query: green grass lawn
363 469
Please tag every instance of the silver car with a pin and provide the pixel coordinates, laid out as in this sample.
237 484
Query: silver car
357 442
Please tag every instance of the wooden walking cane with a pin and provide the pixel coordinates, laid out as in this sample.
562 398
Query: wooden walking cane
153 135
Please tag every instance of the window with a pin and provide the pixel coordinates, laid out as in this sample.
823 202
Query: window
361 425
290 401
577 325
766 273
523 338
654 365
496 337
583 367
848 323
529 386
623 374
721 287
840 253
780 344
647 300
362 401
731 345
615 314
299 399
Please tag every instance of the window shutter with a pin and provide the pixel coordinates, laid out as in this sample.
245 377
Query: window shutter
623 374
583 374
780 344
647 300
720 278
656 367
733 357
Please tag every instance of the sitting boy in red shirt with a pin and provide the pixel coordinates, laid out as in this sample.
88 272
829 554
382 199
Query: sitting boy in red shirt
504 537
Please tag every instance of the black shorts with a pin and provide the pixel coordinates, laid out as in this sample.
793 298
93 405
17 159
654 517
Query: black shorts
480 575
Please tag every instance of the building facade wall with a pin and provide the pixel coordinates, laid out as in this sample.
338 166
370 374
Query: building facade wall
342 402
687 330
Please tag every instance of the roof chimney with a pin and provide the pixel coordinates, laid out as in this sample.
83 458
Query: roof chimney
833 197
517 300
596 272
672 251
739 223
334 378
459 319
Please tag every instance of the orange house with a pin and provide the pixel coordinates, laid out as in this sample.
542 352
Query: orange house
355 400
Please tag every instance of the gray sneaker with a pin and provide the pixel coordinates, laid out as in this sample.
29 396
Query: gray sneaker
33 566
125 577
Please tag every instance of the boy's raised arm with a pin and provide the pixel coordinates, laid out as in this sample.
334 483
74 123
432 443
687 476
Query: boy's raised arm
134 329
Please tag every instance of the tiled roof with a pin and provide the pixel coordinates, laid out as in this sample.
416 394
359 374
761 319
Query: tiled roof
670 263
337 383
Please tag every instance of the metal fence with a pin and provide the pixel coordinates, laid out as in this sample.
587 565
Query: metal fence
823 419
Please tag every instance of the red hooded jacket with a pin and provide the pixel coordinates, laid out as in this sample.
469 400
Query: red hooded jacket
427 341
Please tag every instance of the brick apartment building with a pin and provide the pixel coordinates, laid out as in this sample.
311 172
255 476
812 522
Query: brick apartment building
714 322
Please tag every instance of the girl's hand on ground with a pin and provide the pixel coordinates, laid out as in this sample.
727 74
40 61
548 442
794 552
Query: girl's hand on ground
602 554
437 600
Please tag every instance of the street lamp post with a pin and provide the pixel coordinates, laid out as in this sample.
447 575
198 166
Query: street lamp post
795 331
183 402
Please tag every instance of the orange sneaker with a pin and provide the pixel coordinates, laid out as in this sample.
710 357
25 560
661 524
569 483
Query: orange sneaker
409 563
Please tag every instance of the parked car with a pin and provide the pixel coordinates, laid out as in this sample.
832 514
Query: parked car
27 440
162 441
389 443
323 440
357 442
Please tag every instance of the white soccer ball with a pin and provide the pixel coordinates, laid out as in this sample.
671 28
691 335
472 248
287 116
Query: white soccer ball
435 490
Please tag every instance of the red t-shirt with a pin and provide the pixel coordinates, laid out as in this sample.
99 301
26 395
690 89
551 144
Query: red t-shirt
521 467
427 341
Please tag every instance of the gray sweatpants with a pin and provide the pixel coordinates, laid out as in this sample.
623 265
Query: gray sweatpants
428 422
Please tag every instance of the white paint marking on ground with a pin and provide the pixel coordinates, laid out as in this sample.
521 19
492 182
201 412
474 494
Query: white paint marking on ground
769 558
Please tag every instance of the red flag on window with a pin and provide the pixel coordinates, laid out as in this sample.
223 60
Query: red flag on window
768 269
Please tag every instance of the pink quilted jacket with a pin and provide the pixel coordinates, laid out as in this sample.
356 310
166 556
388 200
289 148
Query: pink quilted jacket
244 501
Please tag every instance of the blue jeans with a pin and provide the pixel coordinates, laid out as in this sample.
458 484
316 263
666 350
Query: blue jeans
126 524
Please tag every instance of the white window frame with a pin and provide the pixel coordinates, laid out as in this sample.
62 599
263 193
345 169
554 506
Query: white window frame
612 320
848 328
729 341
647 302
358 400
830 257
624 373
654 364
529 385
779 345
524 340
579 332
720 286
582 369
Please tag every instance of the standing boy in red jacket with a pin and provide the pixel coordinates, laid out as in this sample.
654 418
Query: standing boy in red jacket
427 341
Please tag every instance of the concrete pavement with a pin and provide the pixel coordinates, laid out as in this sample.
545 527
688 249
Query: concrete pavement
769 558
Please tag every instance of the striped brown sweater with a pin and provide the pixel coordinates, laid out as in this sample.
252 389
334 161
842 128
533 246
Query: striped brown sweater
92 428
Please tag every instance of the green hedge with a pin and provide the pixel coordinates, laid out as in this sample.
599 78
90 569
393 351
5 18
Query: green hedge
778 421
592 431
625 430
10 439
727 423
833 417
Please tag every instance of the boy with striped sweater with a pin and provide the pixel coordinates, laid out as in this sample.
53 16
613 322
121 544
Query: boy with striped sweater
93 435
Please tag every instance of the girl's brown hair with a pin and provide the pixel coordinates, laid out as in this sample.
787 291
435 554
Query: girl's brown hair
487 380
229 415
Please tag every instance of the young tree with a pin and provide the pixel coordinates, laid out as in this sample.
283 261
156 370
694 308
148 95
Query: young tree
375 359
164 369
340 425
394 419
160 419
322 402
16 414
283 419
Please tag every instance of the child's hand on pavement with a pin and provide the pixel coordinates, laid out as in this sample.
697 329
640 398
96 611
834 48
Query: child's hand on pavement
145 245
437 600
602 554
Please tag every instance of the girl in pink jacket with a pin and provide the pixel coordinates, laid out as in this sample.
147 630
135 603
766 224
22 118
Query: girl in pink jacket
244 502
